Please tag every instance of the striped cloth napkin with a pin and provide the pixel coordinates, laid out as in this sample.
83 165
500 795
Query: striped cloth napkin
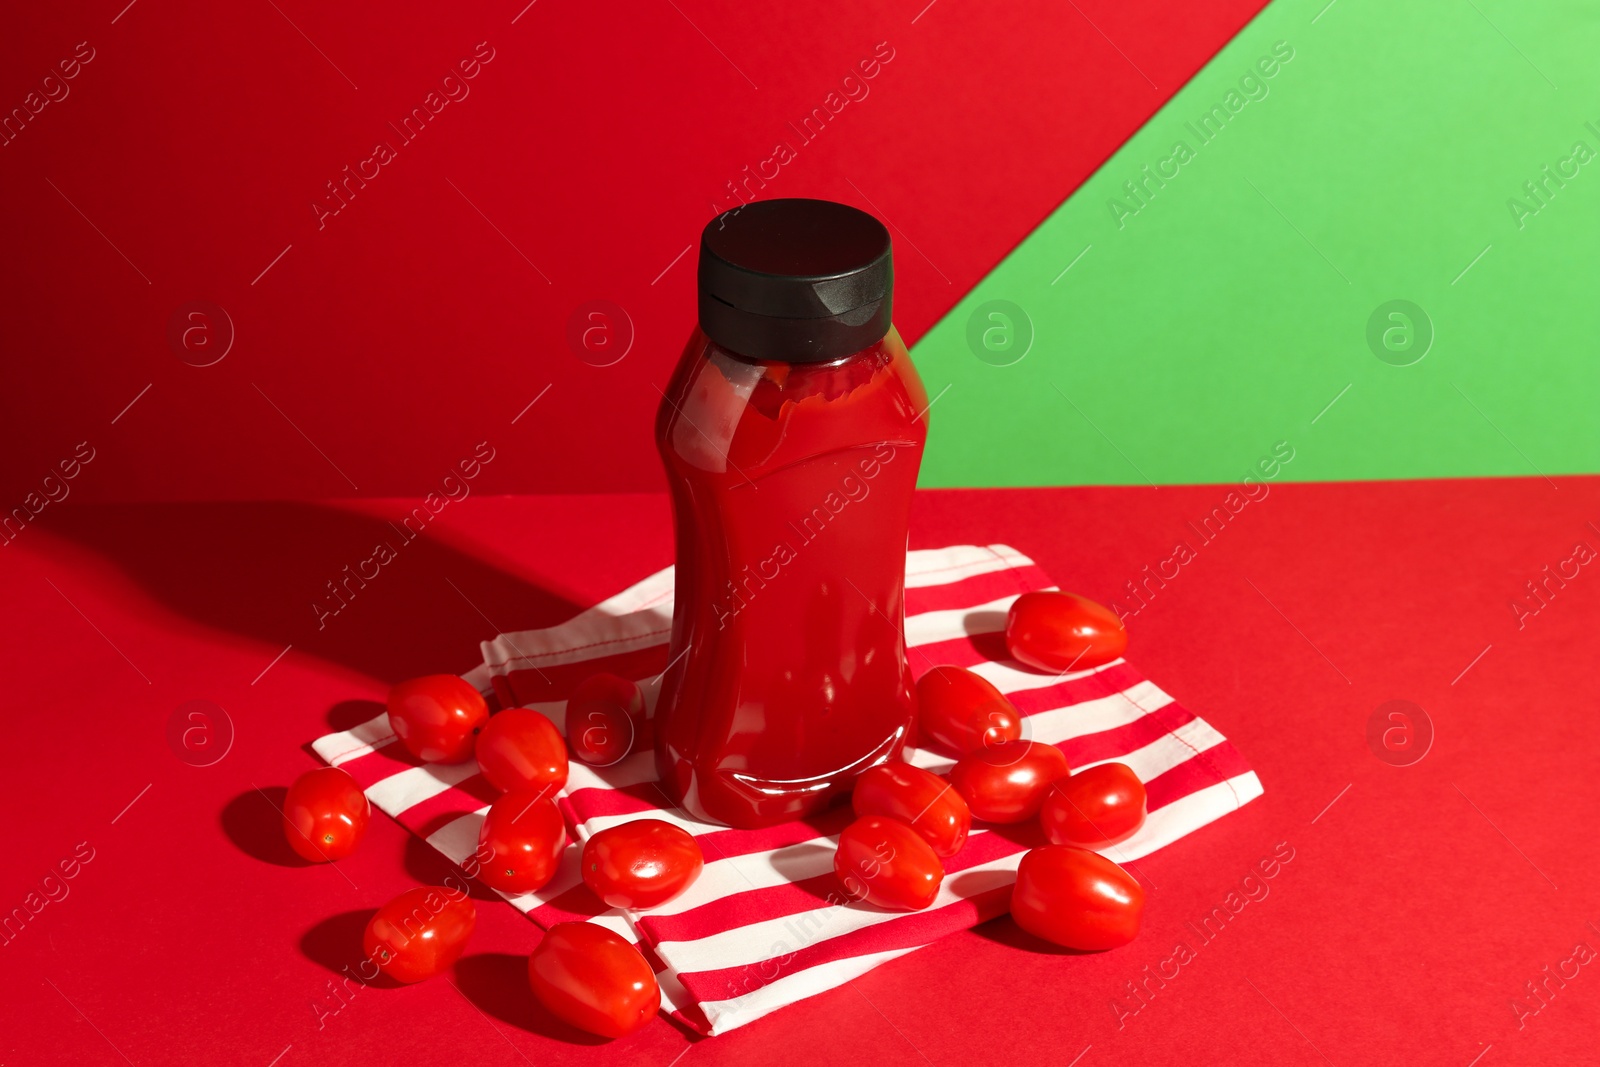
765 924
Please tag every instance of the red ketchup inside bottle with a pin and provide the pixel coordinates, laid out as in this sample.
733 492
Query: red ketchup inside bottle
791 431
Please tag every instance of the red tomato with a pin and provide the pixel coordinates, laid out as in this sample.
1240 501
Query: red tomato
325 815
1095 807
1060 632
640 864
420 932
887 863
920 799
521 749
1076 898
603 718
520 842
593 979
962 712
1008 783
437 717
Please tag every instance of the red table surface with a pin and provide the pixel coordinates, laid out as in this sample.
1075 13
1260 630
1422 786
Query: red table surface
1418 904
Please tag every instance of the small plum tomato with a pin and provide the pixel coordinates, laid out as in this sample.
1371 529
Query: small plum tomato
888 864
420 933
1076 898
642 863
590 977
604 714
521 749
920 799
325 815
520 842
962 712
1060 632
437 717
1095 807
1008 783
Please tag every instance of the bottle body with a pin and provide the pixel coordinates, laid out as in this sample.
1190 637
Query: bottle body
791 489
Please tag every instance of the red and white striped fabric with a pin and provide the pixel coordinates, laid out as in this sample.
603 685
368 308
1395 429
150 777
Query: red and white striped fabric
762 927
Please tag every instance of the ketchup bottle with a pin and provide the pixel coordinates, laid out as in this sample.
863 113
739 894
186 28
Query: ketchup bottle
791 431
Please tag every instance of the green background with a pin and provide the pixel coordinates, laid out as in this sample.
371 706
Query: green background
1229 312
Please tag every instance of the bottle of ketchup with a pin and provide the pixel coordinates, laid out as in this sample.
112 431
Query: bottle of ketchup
791 431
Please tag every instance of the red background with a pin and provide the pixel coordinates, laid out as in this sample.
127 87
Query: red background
598 142
1399 933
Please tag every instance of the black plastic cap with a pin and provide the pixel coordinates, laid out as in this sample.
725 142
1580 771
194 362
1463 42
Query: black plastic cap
801 281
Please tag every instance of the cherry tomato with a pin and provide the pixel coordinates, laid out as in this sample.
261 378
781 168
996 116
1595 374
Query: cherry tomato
593 979
520 842
1058 632
1095 807
640 864
521 749
325 815
420 932
887 863
603 717
437 717
1008 783
920 799
1076 898
962 712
